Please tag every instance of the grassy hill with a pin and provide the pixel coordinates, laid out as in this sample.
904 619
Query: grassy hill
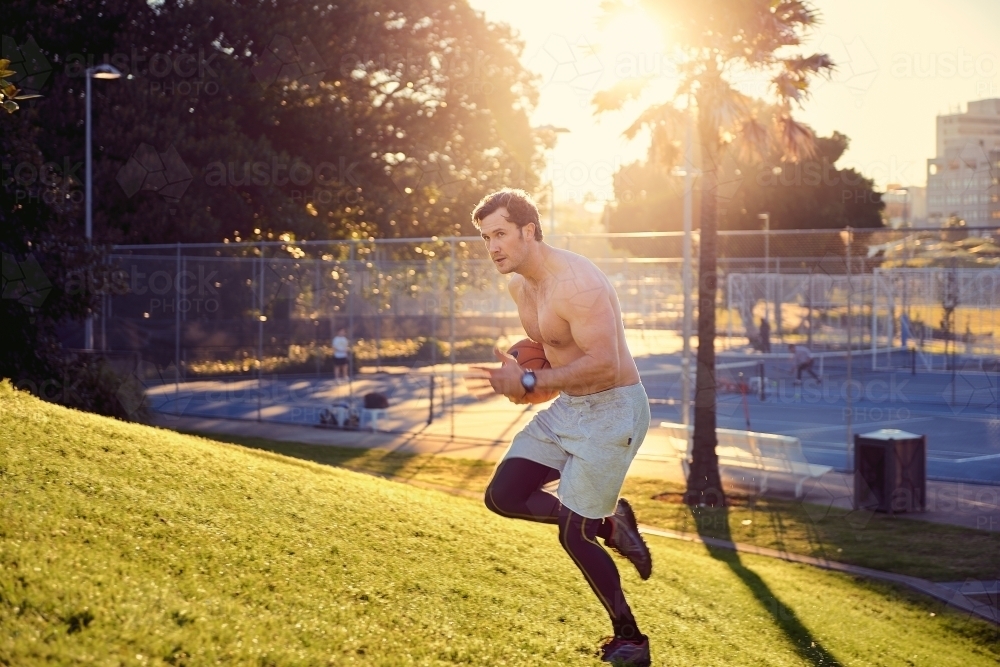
123 544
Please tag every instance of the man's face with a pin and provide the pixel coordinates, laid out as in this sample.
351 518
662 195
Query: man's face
506 243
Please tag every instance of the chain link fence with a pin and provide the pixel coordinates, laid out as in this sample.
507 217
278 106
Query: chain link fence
239 309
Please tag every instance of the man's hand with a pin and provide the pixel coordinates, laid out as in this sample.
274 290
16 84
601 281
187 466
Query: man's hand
483 381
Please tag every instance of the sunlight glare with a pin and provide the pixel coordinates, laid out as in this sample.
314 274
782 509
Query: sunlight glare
633 45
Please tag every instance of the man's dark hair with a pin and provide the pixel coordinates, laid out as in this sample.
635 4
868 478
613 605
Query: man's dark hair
520 209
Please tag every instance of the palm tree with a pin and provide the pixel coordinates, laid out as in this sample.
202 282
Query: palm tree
719 44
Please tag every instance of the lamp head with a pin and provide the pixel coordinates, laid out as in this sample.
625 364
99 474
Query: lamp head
104 71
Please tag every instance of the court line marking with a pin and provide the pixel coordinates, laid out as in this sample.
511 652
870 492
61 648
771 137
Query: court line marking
841 427
968 457
985 457
935 459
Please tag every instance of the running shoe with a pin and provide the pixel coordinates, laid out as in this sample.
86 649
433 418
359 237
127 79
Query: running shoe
626 540
626 652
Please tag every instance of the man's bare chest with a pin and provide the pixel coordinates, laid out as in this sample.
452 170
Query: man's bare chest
540 321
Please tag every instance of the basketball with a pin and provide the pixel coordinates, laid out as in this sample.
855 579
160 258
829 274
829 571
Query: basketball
531 356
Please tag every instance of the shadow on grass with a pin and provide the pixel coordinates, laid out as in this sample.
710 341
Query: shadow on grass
712 525
463 477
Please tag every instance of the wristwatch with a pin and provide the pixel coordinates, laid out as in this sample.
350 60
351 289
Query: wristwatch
528 381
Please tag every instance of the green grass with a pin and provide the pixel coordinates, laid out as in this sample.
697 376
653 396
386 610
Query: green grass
126 545
903 545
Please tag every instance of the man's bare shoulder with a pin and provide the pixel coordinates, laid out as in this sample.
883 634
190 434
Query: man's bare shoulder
577 280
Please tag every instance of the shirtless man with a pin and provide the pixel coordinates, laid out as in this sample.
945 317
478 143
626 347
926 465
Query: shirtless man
589 435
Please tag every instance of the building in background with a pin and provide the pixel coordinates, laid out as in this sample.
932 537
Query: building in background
962 180
905 207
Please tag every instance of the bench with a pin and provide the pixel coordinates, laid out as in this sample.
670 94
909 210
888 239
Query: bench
370 417
767 453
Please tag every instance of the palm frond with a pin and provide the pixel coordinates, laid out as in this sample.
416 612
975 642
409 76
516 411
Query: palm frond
665 116
796 140
726 106
615 97
753 142
790 88
817 63
795 13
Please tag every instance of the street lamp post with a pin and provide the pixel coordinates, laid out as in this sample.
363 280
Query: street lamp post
103 71
555 131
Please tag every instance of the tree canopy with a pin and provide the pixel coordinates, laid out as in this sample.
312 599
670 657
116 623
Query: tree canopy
240 119
808 194
371 118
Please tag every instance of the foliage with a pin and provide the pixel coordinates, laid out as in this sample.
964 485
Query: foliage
241 119
95 385
810 194
9 93
121 541
364 352
353 120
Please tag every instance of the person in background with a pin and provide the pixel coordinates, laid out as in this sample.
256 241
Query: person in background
765 336
341 348
803 360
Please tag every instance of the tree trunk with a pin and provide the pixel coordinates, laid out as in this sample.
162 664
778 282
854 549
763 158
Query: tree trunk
704 486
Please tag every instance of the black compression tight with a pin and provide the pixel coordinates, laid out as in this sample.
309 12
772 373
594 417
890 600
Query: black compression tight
516 492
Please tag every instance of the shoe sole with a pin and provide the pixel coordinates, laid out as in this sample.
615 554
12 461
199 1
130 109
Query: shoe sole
634 525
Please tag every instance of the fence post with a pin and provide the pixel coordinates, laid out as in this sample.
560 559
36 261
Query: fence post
810 314
260 327
350 279
451 331
430 409
847 393
760 374
777 299
316 306
875 321
378 318
729 312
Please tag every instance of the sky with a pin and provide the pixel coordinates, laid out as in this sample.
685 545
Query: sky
900 64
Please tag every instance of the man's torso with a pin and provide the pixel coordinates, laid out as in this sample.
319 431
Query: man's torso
536 308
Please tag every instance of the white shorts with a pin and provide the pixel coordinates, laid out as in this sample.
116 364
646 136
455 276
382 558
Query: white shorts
591 440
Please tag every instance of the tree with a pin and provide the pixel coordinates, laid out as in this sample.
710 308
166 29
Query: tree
809 194
715 43
312 121
397 115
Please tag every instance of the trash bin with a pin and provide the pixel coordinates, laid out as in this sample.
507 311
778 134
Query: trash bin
890 471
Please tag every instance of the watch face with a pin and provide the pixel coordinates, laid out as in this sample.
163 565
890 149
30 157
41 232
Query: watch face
528 380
